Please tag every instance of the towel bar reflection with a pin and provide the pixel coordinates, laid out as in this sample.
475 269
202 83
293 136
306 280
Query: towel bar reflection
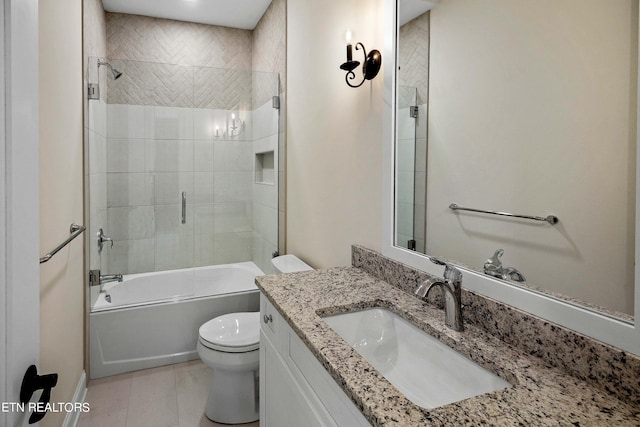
75 231
551 219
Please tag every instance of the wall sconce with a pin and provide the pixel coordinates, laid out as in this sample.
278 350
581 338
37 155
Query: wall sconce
370 68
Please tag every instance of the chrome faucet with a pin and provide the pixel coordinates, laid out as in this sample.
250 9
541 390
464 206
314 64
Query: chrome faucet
96 279
493 267
451 284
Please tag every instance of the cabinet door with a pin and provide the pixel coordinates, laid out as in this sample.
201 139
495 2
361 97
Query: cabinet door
283 403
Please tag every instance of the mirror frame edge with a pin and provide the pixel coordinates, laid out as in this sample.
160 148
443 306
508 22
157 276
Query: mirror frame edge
603 328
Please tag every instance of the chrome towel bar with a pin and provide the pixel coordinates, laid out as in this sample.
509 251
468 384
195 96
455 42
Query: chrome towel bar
75 231
551 219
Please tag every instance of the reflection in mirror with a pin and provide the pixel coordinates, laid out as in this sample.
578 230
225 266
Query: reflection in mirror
407 205
529 107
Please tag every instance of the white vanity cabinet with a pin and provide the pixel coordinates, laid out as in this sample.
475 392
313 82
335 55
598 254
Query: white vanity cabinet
295 389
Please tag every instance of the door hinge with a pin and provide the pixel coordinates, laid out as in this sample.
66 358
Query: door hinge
93 91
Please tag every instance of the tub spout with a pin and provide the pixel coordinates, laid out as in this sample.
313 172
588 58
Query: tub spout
97 279
110 278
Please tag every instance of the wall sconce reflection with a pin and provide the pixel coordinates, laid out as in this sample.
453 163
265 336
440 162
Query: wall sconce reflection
370 68
233 127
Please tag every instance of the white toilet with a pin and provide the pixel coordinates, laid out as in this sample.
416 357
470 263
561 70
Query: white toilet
229 345
289 264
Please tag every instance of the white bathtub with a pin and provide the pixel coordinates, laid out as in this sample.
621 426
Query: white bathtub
153 318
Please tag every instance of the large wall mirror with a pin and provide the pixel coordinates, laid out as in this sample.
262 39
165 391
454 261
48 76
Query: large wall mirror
523 107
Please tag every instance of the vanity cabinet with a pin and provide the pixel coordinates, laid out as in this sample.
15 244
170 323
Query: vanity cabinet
294 387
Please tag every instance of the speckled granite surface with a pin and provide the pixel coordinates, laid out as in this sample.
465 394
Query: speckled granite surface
598 364
540 394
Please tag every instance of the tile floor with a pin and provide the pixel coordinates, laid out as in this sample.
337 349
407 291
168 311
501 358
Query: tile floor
169 396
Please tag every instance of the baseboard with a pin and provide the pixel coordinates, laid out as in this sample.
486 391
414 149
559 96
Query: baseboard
71 420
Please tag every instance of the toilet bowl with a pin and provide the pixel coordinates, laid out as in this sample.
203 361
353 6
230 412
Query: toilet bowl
229 345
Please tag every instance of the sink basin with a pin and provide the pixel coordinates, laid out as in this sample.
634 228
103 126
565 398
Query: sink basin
426 371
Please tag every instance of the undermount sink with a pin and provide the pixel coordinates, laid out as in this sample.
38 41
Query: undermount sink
425 370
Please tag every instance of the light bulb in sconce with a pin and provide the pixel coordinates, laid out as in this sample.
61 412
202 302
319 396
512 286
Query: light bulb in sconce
347 37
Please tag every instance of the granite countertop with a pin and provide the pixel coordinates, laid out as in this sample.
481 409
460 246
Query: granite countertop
539 395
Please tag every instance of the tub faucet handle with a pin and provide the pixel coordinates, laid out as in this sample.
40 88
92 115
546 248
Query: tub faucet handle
102 239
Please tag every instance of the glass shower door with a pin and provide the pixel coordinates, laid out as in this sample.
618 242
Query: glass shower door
406 167
183 168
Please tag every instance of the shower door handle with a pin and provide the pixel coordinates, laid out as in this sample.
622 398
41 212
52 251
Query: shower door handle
184 207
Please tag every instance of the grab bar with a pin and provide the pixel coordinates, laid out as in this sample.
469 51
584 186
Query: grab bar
184 207
551 219
75 231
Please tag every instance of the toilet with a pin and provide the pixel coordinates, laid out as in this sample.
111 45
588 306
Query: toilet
289 264
230 346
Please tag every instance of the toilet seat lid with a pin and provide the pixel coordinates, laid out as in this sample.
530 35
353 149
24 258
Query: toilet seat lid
233 333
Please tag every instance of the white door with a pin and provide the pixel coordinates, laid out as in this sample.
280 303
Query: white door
19 215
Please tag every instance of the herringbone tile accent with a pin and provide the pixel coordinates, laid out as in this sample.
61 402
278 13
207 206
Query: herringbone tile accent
95 42
215 62
166 41
269 50
224 89
171 85
265 85
130 88
413 55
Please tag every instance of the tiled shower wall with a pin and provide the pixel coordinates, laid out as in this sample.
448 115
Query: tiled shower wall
265 185
165 41
161 120
155 153
269 56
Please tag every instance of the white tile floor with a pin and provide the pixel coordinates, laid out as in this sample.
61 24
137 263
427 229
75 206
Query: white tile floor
169 396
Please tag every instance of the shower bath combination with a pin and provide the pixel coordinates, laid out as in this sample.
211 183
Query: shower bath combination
151 141
93 89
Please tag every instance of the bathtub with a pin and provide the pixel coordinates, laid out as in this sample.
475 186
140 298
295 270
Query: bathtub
152 319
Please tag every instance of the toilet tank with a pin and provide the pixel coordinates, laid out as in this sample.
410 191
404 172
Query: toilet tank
289 264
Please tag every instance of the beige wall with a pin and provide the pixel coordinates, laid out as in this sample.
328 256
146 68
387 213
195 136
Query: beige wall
61 287
538 122
334 133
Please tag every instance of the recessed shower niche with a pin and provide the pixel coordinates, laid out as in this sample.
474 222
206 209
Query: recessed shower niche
265 168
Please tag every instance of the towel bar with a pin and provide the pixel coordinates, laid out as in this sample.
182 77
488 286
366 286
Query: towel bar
551 219
75 231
